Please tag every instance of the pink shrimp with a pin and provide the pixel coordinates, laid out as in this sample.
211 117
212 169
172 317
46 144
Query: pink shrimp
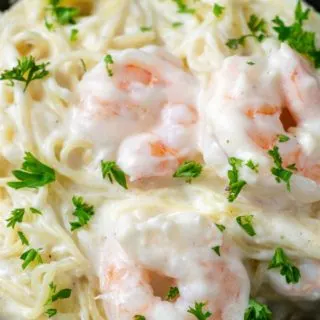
143 107
257 104
147 257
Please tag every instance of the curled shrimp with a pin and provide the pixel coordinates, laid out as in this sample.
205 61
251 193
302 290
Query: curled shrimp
308 287
146 257
136 109
253 103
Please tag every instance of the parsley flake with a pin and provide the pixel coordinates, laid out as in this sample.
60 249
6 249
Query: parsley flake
250 63
51 312
74 35
83 212
257 311
183 8
245 222
172 294
109 61
139 317
113 171
198 311
83 65
218 10
283 138
26 71
16 216
287 269
235 184
23 238
188 170
35 211
30 256
297 38
258 28
216 249
221 227
34 174
60 295
253 166
61 15
177 24
277 170
145 29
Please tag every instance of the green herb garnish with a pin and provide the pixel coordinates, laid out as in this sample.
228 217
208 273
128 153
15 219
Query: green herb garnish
216 249
109 61
145 29
172 294
23 238
287 269
198 311
16 216
188 170
245 222
183 8
30 256
34 174
83 212
258 31
221 227
253 166
257 311
113 171
218 10
26 71
235 183
74 35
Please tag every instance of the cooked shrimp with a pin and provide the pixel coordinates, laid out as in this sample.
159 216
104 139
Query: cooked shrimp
252 105
176 249
159 152
146 103
308 287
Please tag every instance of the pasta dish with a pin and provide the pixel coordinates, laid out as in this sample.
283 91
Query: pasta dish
159 159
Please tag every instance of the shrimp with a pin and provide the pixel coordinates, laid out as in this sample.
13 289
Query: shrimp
146 257
308 287
249 106
145 105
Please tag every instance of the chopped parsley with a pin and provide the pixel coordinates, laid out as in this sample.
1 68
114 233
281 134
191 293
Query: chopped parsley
287 269
83 212
35 211
139 317
177 24
245 222
235 183
250 63
23 238
257 311
278 171
258 28
216 249
16 216
253 166
297 38
221 227
198 311
26 71
183 8
51 312
173 294
145 29
218 10
61 15
113 171
74 35
283 138
54 296
188 170
34 174
109 61
30 256
83 65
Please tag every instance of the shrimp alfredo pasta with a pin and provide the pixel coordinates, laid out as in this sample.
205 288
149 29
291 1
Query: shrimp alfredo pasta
159 159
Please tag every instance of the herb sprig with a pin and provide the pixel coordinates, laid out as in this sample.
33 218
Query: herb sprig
83 212
258 28
257 311
198 311
34 174
27 70
31 255
235 183
188 170
183 8
287 269
297 38
245 222
111 170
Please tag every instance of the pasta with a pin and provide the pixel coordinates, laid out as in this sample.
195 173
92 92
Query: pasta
37 120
